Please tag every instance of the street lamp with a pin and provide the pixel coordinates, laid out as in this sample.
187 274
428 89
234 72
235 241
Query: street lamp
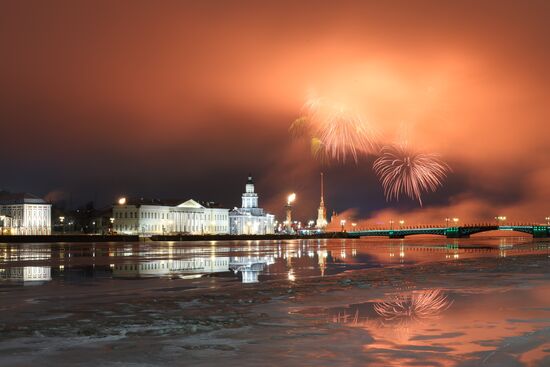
447 220
343 223
289 200
354 225
391 224
112 220
401 222
62 220
547 221
500 219
455 221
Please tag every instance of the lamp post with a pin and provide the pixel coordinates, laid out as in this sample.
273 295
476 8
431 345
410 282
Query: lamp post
343 223
391 224
401 222
455 221
112 220
547 221
447 220
500 219
289 200
353 225
62 220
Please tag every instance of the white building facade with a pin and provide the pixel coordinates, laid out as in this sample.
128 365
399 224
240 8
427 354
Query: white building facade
250 219
153 217
195 218
24 214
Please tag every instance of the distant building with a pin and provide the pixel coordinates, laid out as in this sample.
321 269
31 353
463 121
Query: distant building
250 219
100 222
24 214
142 216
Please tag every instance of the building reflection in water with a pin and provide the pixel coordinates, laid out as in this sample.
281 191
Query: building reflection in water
252 261
26 275
194 264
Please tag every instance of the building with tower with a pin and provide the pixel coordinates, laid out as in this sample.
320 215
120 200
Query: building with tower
322 211
249 218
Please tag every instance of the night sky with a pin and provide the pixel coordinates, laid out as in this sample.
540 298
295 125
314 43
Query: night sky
179 99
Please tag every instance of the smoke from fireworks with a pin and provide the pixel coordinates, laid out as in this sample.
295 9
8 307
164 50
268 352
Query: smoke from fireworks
336 131
404 171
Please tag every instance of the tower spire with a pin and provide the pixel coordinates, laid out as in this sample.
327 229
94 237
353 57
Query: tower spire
321 212
322 191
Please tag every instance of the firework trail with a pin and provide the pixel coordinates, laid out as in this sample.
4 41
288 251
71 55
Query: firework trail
404 171
415 306
335 131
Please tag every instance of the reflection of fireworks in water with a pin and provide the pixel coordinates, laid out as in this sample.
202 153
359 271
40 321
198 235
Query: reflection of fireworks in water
398 317
404 171
336 131
415 306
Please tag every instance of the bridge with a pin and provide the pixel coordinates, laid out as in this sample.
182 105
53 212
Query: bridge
537 231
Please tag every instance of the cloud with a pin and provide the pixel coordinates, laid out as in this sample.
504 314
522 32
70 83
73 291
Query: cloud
56 196
181 98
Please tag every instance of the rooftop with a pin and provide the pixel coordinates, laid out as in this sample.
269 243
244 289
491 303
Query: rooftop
8 198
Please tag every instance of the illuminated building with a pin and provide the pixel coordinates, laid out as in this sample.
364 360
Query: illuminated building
322 212
147 217
24 214
250 219
204 218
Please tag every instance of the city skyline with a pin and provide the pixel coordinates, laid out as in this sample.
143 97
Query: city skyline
185 99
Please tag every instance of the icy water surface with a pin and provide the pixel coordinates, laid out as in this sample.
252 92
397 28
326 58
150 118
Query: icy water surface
414 302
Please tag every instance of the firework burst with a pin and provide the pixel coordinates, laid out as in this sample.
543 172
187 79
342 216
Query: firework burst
404 171
336 131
